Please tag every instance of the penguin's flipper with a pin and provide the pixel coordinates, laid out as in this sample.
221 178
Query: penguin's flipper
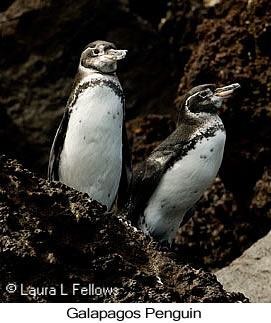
126 172
57 148
149 173
145 181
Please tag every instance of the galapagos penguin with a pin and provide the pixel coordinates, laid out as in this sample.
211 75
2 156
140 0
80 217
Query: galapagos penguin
90 151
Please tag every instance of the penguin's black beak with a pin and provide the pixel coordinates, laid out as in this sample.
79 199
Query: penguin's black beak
226 91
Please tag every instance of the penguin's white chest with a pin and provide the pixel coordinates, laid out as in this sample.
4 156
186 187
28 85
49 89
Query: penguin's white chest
182 186
91 159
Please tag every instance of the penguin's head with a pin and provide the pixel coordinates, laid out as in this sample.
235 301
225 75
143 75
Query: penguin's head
207 98
101 56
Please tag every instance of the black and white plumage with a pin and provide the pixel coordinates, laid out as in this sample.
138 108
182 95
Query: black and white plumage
175 175
90 151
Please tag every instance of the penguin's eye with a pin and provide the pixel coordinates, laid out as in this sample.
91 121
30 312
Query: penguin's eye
95 51
205 94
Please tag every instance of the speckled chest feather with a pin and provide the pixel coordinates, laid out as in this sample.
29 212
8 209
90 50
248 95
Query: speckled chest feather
91 157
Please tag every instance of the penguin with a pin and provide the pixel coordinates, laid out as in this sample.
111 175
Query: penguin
90 151
167 185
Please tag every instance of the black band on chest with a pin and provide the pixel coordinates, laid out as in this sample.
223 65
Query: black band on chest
185 147
97 82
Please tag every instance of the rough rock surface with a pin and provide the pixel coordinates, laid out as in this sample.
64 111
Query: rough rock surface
178 26
261 202
148 132
250 273
51 234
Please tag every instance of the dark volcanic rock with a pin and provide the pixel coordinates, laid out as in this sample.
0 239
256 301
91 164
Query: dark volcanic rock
152 10
178 26
261 202
51 234
148 132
